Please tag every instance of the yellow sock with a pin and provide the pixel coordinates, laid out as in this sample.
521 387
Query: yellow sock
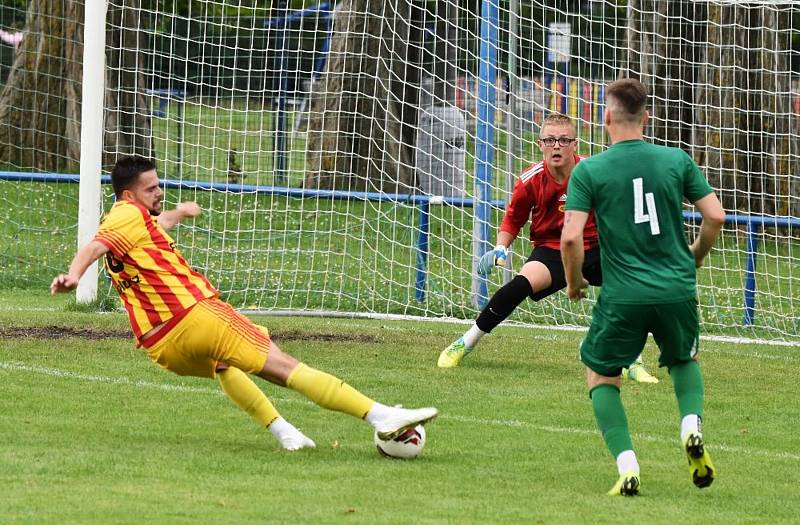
328 391
242 391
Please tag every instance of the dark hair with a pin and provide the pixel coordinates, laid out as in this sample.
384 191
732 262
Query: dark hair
630 95
126 172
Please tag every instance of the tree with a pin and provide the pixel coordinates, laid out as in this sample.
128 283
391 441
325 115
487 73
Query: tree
728 104
40 104
363 111
745 113
127 127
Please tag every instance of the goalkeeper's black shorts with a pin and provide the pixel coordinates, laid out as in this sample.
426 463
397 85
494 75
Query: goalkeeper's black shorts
552 260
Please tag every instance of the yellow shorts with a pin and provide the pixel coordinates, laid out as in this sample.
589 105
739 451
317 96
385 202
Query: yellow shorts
211 332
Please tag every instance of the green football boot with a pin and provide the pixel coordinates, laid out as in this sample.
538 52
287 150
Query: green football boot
453 354
627 485
701 469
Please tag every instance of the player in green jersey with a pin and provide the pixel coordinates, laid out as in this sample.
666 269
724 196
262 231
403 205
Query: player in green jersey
636 190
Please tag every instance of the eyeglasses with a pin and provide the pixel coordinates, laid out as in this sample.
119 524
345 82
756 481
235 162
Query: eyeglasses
562 141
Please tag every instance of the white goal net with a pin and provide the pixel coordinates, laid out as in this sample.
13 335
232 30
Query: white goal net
357 157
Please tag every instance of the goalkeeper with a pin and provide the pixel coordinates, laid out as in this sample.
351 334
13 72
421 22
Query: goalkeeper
178 318
539 195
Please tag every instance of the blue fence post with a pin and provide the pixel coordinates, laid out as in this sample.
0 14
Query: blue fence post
422 249
750 274
484 143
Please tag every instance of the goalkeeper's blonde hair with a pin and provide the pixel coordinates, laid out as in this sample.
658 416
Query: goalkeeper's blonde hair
558 119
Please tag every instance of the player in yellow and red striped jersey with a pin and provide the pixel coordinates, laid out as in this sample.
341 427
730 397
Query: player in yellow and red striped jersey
152 278
176 315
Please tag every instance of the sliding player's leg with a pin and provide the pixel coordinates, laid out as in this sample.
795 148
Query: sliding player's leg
192 347
330 392
241 344
246 395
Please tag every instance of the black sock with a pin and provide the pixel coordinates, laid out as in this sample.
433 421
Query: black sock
503 302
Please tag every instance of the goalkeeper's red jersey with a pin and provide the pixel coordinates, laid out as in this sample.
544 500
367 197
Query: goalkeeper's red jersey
538 197
151 276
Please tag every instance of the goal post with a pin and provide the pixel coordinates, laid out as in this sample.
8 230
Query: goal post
89 195
343 169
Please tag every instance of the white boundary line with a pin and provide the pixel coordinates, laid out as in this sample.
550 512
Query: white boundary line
16 366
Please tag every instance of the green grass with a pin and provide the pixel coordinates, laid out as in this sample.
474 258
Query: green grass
95 433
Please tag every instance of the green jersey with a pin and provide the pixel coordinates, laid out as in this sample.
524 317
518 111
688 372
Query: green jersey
636 190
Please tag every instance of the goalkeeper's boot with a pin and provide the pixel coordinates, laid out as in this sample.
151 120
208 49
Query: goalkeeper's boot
637 372
398 420
453 354
701 469
627 485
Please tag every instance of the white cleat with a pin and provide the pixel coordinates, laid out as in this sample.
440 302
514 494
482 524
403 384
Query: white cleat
401 419
289 437
296 441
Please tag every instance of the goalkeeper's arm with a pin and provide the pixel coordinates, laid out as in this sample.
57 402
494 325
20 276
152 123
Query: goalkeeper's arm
496 256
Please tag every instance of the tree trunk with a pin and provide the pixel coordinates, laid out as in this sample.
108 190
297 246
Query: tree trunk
728 104
745 110
665 45
34 124
127 116
444 67
40 104
363 108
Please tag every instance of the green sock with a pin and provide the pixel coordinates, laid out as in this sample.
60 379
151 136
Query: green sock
611 419
688 383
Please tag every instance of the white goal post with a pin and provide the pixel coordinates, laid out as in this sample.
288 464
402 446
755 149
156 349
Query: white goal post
91 162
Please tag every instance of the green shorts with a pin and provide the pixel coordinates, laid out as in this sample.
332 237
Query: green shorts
619 331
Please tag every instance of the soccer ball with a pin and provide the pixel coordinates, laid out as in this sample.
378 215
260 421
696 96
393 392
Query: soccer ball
407 445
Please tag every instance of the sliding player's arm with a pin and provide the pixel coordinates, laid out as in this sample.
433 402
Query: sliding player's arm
170 219
85 257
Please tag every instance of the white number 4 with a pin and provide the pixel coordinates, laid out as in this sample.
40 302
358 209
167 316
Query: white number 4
639 216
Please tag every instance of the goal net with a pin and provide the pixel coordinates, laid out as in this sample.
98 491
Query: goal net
356 158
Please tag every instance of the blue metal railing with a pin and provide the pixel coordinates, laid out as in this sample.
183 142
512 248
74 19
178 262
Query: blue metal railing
755 223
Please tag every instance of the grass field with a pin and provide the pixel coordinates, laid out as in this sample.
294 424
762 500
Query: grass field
92 432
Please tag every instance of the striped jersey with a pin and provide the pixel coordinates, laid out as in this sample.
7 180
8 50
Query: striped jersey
151 277
539 197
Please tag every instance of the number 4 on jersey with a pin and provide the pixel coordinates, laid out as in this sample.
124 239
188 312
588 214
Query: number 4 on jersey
639 198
